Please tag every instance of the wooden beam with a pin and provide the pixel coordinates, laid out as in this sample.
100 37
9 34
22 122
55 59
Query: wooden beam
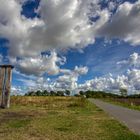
5 85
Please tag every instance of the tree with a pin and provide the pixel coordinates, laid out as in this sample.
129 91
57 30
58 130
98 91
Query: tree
52 93
123 92
38 93
60 93
31 93
81 93
67 92
45 93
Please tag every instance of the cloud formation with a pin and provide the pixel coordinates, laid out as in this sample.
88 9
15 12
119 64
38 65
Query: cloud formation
133 61
62 25
124 24
130 80
66 24
107 83
41 64
70 78
15 27
67 81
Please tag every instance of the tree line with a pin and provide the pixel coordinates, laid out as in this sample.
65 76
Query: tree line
101 94
48 93
87 94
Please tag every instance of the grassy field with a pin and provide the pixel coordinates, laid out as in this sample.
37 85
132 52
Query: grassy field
59 118
129 103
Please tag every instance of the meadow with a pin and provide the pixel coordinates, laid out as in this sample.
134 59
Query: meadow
131 103
59 118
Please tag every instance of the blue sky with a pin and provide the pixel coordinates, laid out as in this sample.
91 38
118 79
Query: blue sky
104 47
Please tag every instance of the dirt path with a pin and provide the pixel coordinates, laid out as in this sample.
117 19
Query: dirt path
131 118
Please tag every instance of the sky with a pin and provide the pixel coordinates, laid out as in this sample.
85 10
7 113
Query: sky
75 45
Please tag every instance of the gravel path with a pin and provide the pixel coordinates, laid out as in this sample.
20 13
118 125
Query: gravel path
131 118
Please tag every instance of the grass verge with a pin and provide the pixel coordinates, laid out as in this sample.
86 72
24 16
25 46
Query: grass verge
124 104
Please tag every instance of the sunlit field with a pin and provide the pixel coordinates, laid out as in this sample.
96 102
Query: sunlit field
59 118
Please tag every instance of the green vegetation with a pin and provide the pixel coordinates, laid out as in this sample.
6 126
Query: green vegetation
98 94
125 102
102 94
129 101
123 92
59 118
47 93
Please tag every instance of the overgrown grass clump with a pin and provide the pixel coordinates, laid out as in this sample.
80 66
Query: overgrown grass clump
59 118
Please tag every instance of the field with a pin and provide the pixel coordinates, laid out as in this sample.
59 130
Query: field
59 118
132 103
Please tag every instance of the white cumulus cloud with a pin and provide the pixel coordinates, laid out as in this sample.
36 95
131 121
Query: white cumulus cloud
62 25
70 78
39 65
133 61
130 80
124 24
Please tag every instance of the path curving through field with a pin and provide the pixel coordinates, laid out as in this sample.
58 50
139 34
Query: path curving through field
131 118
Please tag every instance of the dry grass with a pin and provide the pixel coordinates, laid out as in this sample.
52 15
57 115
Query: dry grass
125 102
59 118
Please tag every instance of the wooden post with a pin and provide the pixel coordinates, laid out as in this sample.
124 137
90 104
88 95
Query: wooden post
5 85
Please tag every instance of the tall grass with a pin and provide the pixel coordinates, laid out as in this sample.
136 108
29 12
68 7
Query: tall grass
55 102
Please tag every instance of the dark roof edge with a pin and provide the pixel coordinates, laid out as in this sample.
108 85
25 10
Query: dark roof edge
5 66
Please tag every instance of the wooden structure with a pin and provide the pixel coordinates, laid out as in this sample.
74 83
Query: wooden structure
5 85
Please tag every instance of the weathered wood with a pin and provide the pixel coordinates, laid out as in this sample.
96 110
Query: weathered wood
1 84
5 85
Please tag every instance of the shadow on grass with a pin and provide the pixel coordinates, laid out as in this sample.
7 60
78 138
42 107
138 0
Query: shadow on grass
15 119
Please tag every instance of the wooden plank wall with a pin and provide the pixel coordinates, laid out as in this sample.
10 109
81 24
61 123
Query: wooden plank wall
1 83
5 86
